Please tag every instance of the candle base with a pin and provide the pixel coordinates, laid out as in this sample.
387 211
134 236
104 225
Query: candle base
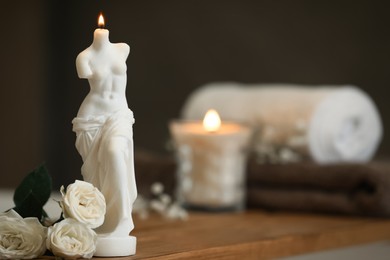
115 246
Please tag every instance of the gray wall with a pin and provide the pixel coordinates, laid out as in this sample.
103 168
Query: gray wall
176 46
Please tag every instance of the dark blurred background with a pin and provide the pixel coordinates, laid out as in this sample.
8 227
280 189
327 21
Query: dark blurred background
176 46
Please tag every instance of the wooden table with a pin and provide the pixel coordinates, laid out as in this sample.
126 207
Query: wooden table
251 235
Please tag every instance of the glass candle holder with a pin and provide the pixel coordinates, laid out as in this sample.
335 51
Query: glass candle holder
211 165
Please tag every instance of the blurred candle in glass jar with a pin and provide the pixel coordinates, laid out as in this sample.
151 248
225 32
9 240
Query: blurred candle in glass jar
211 160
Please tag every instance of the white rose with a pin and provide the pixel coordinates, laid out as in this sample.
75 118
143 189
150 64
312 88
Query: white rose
21 238
85 203
71 239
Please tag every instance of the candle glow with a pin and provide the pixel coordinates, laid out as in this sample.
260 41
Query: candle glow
101 21
211 121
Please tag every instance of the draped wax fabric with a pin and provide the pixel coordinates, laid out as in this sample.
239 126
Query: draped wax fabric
95 136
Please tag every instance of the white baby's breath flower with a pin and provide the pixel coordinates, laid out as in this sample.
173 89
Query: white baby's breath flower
157 188
83 202
158 206
165 199
175 211
71 239
21 238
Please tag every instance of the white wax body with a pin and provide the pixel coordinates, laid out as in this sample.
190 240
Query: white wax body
211 166
105 140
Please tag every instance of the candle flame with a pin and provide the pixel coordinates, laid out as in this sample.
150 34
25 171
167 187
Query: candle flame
211 121
101 21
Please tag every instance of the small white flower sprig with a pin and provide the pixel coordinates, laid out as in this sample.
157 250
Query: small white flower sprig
23 234
161 203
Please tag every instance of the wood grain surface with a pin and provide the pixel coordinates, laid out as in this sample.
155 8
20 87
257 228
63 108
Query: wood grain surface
251 235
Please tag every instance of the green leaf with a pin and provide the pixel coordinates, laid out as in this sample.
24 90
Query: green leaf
31 207
33 193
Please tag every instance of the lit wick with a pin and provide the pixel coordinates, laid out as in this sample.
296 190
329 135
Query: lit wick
101 21
211 121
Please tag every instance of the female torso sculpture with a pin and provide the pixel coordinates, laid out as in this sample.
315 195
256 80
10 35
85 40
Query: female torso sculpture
105 137
104 65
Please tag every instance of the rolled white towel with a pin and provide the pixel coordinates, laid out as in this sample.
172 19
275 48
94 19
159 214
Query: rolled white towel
330 124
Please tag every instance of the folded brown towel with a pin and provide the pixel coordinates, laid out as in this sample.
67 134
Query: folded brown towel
359 189
362 189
